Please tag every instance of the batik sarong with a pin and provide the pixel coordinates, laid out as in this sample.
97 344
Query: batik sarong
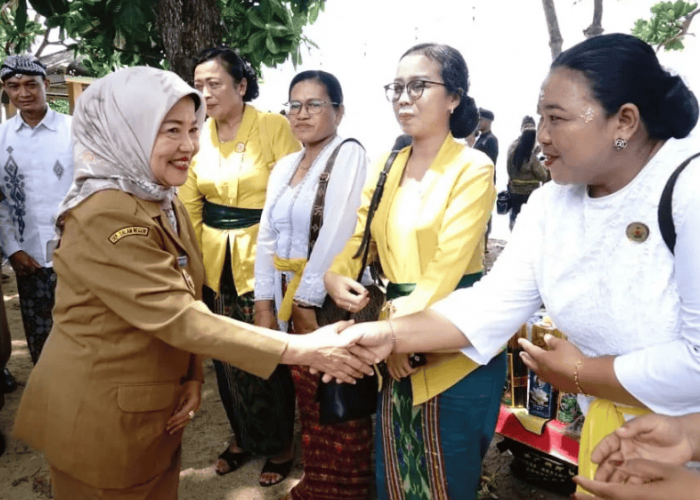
36 300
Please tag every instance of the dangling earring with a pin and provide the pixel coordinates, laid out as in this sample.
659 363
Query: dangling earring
620 144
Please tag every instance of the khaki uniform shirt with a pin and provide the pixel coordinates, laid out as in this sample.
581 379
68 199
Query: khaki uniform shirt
126 320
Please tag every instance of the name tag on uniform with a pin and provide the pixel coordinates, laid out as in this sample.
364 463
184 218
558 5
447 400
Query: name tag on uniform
182 261
128 231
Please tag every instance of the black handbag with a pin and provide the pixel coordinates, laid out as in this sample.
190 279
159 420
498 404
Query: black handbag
503 202
345 402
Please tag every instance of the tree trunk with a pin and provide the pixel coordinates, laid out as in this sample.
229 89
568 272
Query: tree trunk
555 39
187 27
596 27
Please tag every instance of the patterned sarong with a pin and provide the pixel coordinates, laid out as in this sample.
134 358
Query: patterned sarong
261 412
36 301
434 451
337 457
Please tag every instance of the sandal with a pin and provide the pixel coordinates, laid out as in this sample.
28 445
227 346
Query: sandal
281 469
233 460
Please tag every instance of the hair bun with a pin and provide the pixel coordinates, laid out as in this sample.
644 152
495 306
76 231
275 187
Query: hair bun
679 108
465 118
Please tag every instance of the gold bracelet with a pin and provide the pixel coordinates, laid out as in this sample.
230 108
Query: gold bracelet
393 336
578 365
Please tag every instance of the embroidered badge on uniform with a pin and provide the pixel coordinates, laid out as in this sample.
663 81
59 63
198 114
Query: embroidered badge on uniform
128 231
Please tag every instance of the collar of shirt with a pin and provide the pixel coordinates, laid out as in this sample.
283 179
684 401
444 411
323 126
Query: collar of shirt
48 122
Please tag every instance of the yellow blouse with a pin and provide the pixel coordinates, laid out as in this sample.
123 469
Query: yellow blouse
234 173
445 240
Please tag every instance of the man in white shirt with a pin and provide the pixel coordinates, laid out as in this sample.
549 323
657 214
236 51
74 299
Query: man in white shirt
36 171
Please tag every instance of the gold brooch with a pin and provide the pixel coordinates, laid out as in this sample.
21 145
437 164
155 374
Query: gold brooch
240 147
637 232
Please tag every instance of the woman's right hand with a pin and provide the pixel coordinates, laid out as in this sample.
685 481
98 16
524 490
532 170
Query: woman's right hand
347 293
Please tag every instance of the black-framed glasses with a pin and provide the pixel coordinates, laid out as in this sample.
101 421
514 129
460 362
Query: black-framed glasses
414 88
313 107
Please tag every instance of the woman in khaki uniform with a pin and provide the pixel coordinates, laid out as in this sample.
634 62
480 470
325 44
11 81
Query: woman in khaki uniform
120 375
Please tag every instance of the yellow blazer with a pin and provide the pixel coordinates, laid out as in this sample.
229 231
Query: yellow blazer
458 196
126 321
235 174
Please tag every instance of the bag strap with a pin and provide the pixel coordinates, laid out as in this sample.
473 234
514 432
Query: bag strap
320 200
376 198
665 213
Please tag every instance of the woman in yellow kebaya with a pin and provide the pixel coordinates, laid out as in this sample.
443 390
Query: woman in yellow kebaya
225 195
435 421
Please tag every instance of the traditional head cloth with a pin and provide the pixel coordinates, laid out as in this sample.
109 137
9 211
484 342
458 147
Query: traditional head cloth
115 125
21 65
486 114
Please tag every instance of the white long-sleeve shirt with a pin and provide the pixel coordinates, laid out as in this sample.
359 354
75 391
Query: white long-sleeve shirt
36 171
610 295
286 218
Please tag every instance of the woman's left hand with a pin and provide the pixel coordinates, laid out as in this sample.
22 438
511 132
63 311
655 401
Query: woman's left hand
556 365
190 401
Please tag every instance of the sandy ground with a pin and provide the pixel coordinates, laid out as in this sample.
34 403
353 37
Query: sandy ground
24 474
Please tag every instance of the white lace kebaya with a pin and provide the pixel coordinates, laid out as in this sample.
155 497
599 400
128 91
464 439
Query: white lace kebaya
610 295
284 226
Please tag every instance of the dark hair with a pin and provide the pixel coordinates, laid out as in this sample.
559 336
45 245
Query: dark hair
528 120
526 143
455 75
330 82
623 69
235 65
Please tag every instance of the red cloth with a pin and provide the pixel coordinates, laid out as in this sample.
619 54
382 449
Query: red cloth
337 457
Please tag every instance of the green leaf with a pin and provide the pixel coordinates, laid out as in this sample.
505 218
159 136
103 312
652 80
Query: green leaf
21 16
254 18
313 13
270 44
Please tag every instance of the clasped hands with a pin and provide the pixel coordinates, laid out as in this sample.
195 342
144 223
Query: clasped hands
644 460
343 351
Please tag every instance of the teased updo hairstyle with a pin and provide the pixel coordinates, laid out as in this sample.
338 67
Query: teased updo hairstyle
455 75
623 69
235 65
329 81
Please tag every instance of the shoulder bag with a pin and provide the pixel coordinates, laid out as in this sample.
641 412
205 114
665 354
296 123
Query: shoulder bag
344 402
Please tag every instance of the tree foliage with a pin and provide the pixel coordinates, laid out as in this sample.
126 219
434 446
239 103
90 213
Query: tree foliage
668 25
114 33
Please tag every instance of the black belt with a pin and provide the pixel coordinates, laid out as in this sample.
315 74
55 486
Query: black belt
223 217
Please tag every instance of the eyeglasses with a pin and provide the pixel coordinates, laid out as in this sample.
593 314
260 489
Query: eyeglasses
313 107
413 88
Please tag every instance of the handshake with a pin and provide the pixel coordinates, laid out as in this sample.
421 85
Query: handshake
343 351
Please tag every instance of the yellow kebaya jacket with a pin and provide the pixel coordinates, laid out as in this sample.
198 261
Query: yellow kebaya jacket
456 203
234 173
